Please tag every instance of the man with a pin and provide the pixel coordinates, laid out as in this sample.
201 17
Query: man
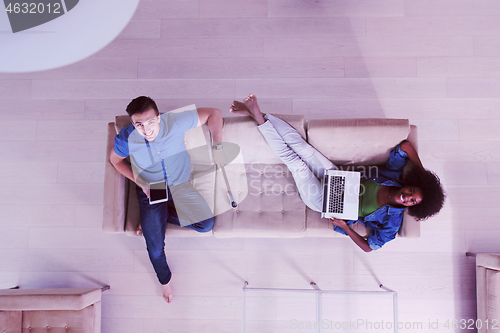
155 144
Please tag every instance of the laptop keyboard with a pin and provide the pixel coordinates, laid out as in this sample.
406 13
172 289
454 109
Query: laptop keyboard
336 200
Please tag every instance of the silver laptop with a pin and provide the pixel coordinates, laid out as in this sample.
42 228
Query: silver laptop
341 194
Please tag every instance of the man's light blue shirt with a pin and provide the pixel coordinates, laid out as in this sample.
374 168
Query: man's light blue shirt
164 158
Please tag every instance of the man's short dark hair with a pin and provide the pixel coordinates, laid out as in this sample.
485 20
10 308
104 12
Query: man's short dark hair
141 104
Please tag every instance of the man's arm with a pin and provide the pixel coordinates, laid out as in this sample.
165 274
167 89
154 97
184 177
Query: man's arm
123 167
213 118
408 148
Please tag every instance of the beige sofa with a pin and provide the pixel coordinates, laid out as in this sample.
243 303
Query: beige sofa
268 201
50 310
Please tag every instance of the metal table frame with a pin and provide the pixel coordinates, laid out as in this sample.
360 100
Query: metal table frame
319 300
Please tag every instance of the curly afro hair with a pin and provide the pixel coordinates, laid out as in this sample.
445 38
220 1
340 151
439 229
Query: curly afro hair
432 193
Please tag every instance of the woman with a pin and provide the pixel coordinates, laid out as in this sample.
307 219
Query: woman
383 197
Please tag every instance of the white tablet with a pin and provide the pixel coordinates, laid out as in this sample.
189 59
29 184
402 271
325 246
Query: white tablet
158 192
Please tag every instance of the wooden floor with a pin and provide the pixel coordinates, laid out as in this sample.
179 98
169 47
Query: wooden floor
435 62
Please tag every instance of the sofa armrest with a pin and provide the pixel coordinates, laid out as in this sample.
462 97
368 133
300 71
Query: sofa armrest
488 260
115 191
48 299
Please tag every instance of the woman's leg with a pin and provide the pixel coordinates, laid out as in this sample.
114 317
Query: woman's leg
307 182
316 162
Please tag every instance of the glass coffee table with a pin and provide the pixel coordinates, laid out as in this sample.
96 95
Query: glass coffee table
273 310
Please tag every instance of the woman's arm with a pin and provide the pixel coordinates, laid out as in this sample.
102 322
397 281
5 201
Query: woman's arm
360 241
408 148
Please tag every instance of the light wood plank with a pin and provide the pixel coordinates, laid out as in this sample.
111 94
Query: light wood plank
88 216
401 46
124 325
437 129
342 88
473 87
14 89
460 151
52 194
429 108
106 89
291 8
48 109
231 9
472 130
153 9
486 46
240 68
264 27
493 173
199 326
80 238
142 29
86 69
206 308
380 67
38 215
70 260
459 67
16 173
183 48
71 130
451 8
80 172
483 240
460 173
433 26
14 238
50 151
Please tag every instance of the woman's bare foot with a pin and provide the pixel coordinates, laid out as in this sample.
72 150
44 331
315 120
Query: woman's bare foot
239 108
167 292
253 108
138 230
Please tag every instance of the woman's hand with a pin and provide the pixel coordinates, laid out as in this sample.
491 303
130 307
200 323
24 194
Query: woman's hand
360 241
338 222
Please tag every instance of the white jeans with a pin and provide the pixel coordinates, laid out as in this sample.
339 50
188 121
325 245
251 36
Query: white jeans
306 164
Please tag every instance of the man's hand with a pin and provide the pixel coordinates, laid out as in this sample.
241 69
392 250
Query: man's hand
143 185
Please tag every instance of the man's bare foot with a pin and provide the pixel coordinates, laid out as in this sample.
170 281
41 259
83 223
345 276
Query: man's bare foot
253 108
138 230
167 292
239 108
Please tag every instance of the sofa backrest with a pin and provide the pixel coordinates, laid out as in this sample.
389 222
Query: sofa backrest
357 141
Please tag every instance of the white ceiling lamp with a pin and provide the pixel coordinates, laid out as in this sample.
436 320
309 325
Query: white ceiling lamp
38 35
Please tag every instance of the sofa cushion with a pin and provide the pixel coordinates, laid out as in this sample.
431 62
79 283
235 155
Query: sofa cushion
359 141
268 203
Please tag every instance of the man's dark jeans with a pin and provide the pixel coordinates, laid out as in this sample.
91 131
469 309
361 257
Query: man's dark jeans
153 221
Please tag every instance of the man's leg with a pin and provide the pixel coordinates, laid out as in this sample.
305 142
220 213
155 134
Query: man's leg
153 221
192 209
